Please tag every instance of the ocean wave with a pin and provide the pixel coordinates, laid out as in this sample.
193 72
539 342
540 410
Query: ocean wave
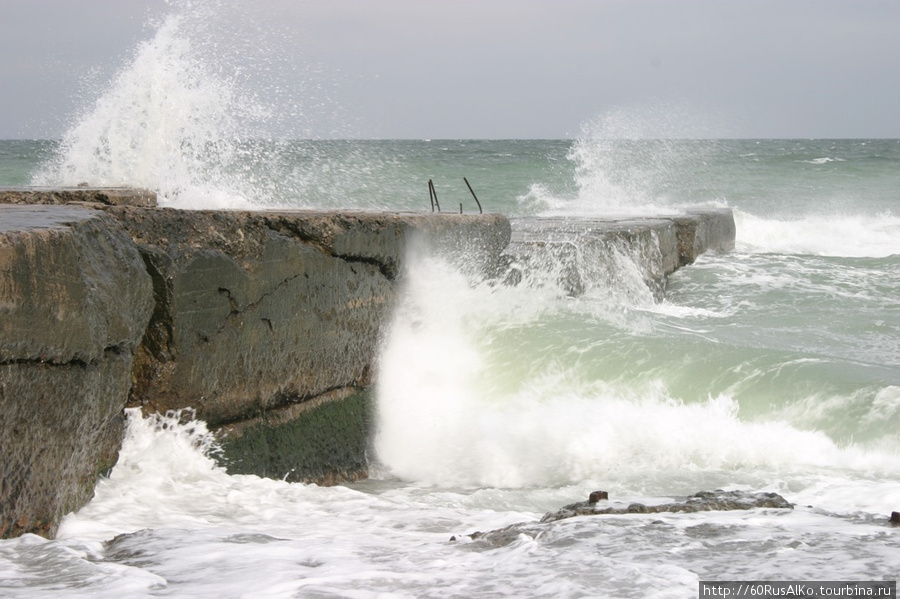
852 236
825 160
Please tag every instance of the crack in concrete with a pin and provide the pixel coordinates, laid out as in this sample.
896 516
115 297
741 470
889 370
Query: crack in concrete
115 350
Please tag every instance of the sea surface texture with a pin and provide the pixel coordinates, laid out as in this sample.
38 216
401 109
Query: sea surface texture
771 368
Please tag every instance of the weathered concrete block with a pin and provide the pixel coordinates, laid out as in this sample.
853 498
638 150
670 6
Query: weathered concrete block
576 253
264 309
71 285
109 196
62 427
386 239
703 230
75 299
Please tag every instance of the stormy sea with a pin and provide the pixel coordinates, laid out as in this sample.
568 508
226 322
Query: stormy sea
774 367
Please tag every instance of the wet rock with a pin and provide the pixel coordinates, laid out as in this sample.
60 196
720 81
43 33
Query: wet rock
597 496
322 440
506 535
703 501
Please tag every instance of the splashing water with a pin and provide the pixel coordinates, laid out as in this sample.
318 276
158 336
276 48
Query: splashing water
860 235
634 161
186 115
167 122
512 387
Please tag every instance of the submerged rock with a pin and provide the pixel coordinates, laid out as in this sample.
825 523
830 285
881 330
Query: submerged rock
704 501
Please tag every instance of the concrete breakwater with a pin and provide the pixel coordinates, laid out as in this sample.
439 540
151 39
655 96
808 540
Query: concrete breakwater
264 324
588 251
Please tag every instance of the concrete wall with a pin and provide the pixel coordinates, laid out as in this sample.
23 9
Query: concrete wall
75 299
577 251
264 324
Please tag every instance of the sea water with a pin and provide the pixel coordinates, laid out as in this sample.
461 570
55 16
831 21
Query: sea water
773 367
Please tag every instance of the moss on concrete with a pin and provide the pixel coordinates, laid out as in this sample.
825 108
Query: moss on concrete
324 444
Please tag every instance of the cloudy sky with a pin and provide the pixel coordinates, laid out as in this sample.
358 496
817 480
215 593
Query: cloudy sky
484 68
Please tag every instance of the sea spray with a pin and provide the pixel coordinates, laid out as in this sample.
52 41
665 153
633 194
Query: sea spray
167 122
202 113
488 385
634 161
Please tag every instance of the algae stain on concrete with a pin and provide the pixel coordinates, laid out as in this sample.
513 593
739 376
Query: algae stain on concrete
322 441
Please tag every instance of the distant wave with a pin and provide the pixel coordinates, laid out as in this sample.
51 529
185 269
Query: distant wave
854 236
825 160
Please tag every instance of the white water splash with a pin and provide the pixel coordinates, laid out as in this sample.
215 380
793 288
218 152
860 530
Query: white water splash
168 122
628 161
850 235
199 113
449 414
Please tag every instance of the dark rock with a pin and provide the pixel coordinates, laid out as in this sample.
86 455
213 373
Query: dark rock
506 535
322 440
703 501
597 496
895 517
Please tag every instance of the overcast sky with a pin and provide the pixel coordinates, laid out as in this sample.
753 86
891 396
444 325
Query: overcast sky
488 68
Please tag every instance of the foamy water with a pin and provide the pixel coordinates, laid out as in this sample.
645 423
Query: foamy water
770 368
168 522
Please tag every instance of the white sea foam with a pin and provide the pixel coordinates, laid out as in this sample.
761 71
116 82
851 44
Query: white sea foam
824 160
446 416
849 235
169 521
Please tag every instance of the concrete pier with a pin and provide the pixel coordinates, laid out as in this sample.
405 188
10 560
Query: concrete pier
578 249
264 324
